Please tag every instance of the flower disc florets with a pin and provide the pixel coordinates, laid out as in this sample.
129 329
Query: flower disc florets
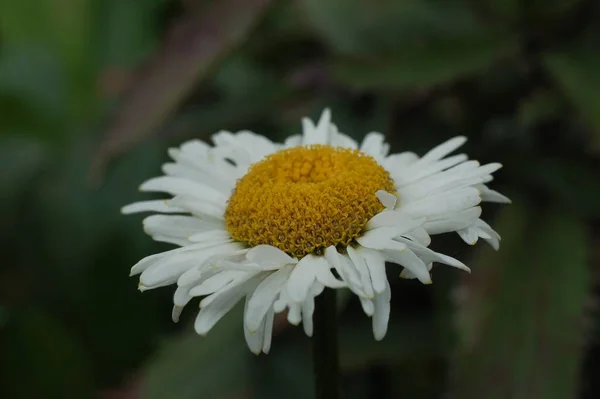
304 199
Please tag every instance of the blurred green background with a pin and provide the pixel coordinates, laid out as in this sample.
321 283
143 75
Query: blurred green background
93 92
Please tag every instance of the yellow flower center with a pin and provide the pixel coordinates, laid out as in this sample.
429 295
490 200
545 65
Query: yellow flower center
304 199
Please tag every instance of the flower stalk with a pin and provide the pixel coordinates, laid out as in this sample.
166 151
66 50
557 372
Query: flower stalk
326 362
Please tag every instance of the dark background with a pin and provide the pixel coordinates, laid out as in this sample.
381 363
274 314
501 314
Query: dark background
93 92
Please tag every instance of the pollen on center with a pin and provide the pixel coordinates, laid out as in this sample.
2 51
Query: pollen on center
304 199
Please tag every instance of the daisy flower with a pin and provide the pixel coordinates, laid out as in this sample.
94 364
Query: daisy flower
276 224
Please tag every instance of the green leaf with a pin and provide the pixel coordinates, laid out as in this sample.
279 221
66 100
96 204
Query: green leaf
61 28
530 11
33 93
521 319
507 10
358 27
289 365
425 64
123 36
23 160
539 107
577 72
190 366
407 338
42 356
191 50
60 24
552 10
572 183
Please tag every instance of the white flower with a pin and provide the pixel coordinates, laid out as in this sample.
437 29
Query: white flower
275 224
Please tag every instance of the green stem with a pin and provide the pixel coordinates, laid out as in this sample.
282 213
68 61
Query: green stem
325 347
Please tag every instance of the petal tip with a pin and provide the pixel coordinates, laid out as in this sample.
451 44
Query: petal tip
378 337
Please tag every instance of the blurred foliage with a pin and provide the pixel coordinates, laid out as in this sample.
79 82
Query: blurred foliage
92 92
520 324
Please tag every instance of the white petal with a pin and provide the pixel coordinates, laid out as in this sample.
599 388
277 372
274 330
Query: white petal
214 283
180 186
489 195
245 265
268 331
381 315
453 201
375 146
178 226
427 255
452 221
294 314
198 207
388 200
193 173
480 229
254 338
279 305
444 149
175 265
150 206
168 270
264 296
205 258
493 242
419 235
293 141
396 162
466 174
347 272
164 283
302 277
360 265
308 308
209 315
243 147
376 265
219 235
367 305
259 146
422 169
269 256
483 226
210 170
323 274
468 235
223 138
195 148
175 313
195 275
320 133
412 262
407 274
148 261
171 240
401 220
338 139
381 238
197 252
182 296
282 301
245 283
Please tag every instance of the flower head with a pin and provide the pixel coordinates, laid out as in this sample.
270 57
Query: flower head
275 224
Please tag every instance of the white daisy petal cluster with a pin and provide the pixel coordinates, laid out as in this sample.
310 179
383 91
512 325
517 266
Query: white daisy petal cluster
436 193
